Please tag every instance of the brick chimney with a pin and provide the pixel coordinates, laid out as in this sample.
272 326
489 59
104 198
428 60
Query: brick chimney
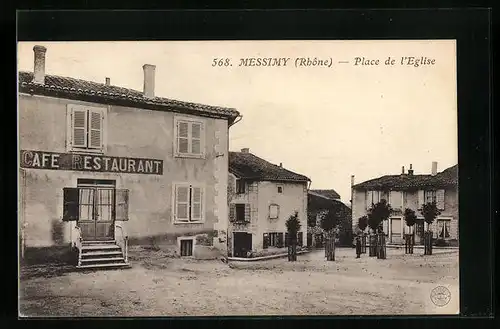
39 67
281 164
434 168
149 80
402 170
108 81
410 171
352 180
245 150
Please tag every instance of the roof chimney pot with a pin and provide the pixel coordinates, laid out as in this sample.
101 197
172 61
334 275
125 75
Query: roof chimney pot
410 171
39 67
108 81
434 168
149 80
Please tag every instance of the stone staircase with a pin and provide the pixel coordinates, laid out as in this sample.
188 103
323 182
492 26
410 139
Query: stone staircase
101 254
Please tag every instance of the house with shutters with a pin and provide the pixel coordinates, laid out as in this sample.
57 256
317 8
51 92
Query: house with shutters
103 167
261 197
409 190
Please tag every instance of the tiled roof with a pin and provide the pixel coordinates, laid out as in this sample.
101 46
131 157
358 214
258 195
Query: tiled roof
249 166
331 194
71 88
445 178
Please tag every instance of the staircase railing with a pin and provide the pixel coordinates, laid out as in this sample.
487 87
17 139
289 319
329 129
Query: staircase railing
124 244
79 244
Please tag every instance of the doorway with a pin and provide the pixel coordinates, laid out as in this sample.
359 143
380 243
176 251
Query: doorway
242 244
96 209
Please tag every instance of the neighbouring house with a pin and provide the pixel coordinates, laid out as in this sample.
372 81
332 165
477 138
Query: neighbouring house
318 203
261 197
103 167
409 190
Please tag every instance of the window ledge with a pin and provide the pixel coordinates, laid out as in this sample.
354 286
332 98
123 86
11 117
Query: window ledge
86 151
190 156
188 222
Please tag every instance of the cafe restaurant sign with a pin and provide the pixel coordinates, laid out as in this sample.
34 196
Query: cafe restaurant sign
88 162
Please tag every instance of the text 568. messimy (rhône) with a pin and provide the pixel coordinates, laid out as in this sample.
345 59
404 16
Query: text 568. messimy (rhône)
359 61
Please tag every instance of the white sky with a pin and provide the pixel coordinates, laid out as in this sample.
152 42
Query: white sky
325 123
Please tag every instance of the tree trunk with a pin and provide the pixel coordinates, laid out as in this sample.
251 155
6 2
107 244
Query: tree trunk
373 245
381 247
428 243
292 251
358 246
412 242
330 247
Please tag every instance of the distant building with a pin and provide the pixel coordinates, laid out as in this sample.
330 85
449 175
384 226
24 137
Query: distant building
319 201
261 197
99 163
408 190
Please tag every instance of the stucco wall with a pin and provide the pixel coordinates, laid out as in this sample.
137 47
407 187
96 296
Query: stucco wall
130 133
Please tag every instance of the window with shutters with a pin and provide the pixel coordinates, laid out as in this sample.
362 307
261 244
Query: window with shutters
189 138
240 186
188 203
274 211
274 239
93 203
430 196
86 129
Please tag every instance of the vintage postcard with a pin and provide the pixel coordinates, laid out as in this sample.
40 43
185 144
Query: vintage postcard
250 178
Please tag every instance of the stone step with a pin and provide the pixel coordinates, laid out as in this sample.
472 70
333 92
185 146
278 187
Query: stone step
98 242
101 253
106 265
86 260
100 247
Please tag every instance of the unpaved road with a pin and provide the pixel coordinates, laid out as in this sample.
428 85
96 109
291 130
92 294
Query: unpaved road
159 286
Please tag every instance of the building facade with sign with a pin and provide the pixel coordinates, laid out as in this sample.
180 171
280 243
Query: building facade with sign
99 163
261 197
411 191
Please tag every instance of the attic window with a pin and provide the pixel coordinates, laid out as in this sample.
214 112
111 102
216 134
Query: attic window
280 188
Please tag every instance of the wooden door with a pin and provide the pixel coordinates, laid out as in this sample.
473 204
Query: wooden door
96 218
187 247
242 244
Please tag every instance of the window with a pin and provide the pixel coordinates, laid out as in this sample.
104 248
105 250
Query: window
396 199
188 203
86 129
240 212
280 189
443 228
274 239
186 246
372 197
189 138
84 203
430 196
240 186
274 210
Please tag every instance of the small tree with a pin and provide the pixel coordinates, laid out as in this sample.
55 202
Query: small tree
380 212
329 223
430 212
410 219
362 223
293 227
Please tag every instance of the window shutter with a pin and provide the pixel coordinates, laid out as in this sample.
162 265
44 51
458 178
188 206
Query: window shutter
182 203
279 242
265 241
299 238
232 212
369 199
70 203
440 199
421 200
247 212
182 137
121 205
95 129
79 128
196 138
196 209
